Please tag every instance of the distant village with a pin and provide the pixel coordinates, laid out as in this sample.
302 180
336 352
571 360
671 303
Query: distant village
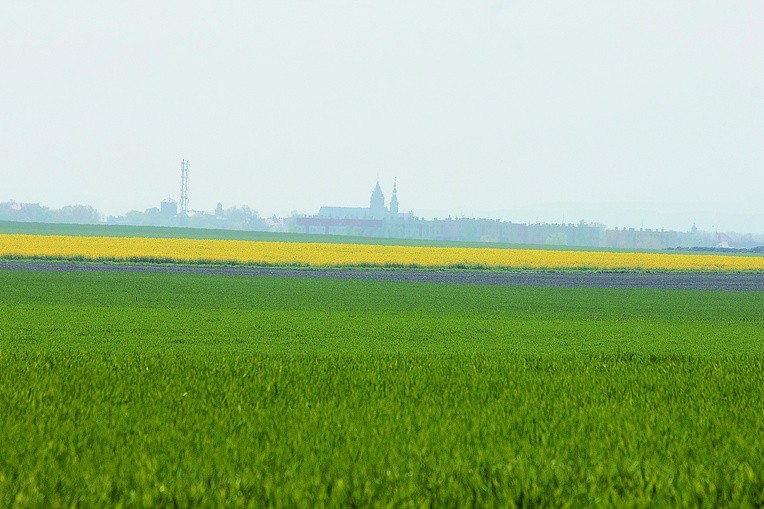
383 220
377 220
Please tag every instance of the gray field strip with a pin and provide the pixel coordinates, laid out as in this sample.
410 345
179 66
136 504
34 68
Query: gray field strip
662 280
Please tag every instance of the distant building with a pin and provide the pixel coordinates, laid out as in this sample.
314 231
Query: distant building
393 201
169 208
722 240
376 210
376 220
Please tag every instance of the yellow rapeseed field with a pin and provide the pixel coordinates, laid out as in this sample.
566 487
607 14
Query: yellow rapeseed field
344 255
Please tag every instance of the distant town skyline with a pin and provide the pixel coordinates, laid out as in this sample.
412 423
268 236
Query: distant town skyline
552 214
380 206
382 219
645 115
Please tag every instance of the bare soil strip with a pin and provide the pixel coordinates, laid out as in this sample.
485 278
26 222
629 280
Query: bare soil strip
668 280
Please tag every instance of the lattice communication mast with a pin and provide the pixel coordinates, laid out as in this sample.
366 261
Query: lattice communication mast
184 187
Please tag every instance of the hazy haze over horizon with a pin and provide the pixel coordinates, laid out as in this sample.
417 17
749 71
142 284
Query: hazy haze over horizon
640 114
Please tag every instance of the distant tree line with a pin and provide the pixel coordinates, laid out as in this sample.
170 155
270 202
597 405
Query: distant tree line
755 249
34 212
233 218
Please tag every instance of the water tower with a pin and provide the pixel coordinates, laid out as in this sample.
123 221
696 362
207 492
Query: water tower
169 207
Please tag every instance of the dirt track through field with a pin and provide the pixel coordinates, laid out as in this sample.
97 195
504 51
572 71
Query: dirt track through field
673 280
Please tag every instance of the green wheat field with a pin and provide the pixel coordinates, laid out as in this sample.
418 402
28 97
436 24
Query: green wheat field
147 390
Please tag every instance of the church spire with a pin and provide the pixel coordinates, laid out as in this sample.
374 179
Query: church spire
394 201
377 202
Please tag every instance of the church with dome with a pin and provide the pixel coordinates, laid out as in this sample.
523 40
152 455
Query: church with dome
377 210
377 220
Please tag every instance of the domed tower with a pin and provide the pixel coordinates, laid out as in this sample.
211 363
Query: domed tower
394 201
377 202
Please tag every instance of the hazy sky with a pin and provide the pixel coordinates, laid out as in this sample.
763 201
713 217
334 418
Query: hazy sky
646 114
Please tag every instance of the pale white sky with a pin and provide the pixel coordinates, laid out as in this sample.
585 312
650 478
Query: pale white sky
646 114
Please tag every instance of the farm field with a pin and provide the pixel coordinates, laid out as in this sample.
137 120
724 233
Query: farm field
186 389
90 230
675 280
266 253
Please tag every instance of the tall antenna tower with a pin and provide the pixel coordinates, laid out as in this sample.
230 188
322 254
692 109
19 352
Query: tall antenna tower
184 187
